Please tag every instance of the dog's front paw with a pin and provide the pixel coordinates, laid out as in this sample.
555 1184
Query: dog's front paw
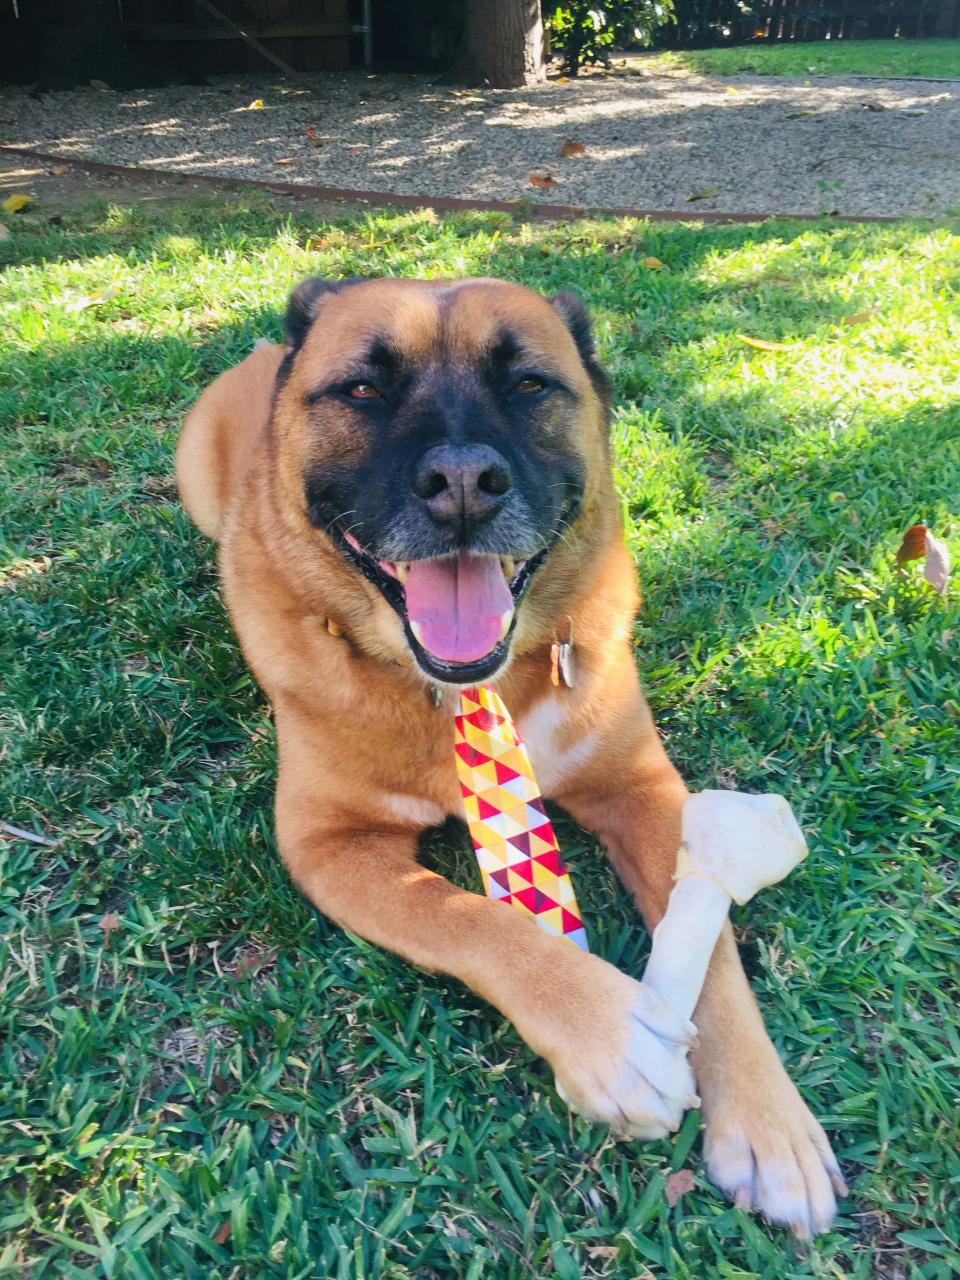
767 1152
630 1069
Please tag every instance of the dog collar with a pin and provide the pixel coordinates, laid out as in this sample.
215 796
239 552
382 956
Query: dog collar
512 836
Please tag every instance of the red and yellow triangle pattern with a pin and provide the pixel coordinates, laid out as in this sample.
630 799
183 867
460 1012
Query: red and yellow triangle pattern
512 835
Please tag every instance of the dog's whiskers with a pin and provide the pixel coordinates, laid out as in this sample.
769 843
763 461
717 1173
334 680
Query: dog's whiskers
335 521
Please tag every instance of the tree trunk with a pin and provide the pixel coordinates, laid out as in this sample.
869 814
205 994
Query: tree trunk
503 42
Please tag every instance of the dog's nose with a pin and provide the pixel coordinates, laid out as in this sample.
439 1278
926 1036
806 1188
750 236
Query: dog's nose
462 483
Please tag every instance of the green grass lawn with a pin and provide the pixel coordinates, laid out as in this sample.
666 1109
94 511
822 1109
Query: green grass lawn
224 1085
819 57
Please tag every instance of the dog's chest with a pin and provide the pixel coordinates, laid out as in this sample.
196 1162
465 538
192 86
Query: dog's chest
555 758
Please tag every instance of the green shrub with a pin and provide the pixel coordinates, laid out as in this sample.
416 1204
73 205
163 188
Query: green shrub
585 32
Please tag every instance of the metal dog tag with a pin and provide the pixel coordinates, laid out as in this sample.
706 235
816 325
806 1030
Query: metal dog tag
565 663
561 661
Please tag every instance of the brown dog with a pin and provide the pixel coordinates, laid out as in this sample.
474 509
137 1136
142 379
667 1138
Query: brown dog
415 492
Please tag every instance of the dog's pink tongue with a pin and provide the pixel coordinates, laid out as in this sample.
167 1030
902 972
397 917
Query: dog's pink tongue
458 605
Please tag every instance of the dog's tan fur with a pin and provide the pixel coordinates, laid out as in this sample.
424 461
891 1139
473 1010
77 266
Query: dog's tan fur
366 760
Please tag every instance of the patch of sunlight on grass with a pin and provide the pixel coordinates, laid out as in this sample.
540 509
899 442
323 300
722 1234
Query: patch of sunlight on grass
178 246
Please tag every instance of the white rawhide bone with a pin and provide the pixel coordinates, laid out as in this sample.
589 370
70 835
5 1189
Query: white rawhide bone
734 844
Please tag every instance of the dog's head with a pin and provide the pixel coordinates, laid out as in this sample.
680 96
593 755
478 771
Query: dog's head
446 437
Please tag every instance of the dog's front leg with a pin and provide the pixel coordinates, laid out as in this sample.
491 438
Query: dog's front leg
602 1033
762 1145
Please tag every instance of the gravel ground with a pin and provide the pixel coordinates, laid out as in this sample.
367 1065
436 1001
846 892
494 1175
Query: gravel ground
743 145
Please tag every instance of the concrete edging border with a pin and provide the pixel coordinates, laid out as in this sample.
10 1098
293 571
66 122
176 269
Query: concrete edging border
442 204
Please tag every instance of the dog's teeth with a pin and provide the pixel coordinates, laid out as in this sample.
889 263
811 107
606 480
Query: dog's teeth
508 566
402 570
417 632
505 619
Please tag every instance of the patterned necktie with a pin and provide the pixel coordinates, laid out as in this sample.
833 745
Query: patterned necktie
512 836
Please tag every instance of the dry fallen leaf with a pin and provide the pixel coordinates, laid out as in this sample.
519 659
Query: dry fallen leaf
16 203
678 1184
936 568
653 264
734 93
59 170
311 133
701 193
286 160
919 543
913 545
859 317
573 147
256 105
222 1233
251 961
562 80
542 180
109 923
761 344
85 300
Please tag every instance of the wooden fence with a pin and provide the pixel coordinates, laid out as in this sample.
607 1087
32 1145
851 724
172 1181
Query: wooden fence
310 35
180 38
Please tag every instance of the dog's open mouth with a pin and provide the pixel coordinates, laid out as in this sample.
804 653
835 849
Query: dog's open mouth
458 610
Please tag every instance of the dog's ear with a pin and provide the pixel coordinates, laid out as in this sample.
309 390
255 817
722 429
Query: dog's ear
302 306
575 317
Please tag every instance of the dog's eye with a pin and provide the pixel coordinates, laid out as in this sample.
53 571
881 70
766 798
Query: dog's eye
529 386
362 391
